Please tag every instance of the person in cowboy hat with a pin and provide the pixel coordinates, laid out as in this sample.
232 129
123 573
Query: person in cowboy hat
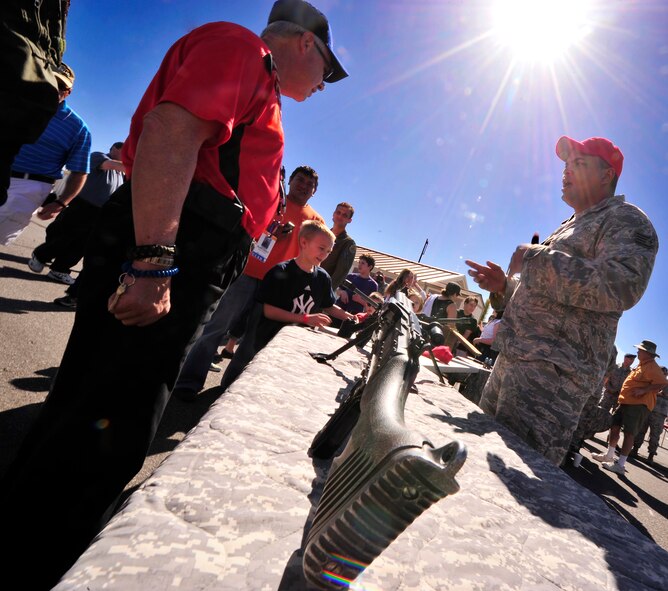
636 400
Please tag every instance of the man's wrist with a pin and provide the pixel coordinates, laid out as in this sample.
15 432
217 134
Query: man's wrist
502 291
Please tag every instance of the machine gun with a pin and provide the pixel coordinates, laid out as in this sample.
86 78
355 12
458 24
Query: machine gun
387 474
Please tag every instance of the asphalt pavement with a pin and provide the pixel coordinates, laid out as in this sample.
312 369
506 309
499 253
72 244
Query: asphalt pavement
33 335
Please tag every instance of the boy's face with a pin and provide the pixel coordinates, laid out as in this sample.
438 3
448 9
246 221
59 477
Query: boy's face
363 267
316 249
341 216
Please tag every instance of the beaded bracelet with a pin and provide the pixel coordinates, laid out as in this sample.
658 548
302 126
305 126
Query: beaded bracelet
155 273
59 202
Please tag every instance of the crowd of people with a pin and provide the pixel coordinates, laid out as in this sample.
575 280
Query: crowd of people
213 252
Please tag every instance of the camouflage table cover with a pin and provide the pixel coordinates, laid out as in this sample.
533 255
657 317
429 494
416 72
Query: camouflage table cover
229 507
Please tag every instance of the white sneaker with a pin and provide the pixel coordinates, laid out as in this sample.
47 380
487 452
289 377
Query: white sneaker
602 457
215 368
65 278
36 266
614 467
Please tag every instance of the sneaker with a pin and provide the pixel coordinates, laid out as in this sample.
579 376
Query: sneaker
215 368
36 266
66 301
225 354
65 278
601 457
614 467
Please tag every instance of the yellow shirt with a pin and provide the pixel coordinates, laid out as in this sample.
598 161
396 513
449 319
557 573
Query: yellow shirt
648 372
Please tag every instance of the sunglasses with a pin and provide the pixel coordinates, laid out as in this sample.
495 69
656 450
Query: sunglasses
329 70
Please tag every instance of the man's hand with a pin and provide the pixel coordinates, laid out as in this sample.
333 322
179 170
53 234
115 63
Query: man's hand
343 296
490 277
317 320
49 211
517 259
144 302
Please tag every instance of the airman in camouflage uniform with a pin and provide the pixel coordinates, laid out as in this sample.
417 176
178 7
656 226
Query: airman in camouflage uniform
562 312
613 384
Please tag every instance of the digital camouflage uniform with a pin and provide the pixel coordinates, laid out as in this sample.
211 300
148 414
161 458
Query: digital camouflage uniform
615 380
595 418
654 423
561 318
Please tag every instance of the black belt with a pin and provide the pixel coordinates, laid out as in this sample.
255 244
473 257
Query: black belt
32 177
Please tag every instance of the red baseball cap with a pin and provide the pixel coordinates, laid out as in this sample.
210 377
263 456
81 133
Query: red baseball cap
594 146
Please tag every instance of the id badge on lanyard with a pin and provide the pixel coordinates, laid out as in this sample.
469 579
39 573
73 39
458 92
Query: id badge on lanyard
266 242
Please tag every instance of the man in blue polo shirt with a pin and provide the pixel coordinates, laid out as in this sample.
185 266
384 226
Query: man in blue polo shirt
66 142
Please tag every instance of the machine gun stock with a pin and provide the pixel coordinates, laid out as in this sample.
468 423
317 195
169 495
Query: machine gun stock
388 474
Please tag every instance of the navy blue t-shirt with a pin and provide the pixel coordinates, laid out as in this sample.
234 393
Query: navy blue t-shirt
288 287
366 285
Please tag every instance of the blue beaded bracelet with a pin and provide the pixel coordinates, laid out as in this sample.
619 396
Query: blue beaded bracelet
159 273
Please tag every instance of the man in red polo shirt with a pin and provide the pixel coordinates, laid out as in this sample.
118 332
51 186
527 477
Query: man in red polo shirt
203 157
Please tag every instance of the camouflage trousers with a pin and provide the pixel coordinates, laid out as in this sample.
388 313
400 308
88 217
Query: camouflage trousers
655 425
594 418
538 402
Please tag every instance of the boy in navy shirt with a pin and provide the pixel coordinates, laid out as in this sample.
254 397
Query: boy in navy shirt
297 291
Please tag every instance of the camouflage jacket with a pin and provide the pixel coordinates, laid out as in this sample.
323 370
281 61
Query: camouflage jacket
574 286
616 378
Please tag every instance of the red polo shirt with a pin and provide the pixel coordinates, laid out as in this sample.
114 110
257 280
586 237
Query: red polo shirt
222 72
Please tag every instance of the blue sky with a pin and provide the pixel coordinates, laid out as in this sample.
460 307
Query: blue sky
442 131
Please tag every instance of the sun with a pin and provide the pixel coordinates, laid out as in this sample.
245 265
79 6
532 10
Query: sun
540 30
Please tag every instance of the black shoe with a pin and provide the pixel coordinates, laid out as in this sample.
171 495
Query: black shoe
66 301
184 394
224 355
650 459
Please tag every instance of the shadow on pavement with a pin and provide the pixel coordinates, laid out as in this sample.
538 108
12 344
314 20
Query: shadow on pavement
12 258
13 306
42 383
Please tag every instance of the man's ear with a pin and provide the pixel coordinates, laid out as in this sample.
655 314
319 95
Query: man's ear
306 42
609 175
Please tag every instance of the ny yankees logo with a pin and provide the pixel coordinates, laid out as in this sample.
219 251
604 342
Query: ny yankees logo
303 304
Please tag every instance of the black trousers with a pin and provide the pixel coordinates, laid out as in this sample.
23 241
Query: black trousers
67 235
108 396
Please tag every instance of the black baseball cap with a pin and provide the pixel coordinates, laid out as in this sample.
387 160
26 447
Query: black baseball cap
310 18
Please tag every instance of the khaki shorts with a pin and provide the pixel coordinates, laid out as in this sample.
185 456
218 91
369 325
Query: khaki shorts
631 417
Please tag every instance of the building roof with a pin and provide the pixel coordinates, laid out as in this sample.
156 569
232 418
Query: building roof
432 279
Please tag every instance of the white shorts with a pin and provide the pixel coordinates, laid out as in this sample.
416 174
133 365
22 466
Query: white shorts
24 197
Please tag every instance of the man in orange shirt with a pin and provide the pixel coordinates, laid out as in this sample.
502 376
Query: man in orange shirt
636 400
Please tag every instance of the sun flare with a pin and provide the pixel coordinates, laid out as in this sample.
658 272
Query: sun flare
540 30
